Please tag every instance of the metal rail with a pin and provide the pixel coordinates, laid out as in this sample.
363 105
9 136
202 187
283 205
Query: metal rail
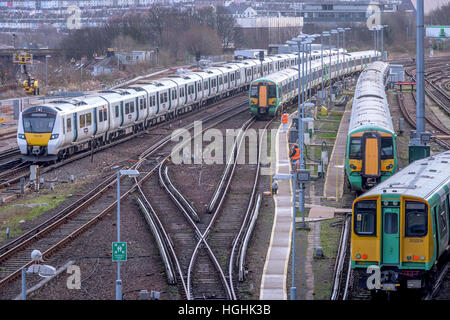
339 267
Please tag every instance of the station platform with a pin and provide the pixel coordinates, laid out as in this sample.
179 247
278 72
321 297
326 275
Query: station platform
334 181
273 282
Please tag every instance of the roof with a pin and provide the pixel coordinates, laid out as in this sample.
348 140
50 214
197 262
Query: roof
370 108
422 178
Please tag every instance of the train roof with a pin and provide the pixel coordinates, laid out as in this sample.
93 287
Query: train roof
370 107
423 178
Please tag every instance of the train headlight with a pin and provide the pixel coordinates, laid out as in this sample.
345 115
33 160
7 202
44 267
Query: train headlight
353 167
408 257
389 167
358 256
54 136
422 258
21 136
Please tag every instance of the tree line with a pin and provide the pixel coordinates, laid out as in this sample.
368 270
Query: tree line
174 32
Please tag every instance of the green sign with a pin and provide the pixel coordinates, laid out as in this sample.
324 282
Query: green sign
119 251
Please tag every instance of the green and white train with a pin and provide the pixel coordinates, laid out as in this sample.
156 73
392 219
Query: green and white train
269 95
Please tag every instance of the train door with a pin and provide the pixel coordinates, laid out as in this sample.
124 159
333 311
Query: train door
391 236
75 128
371 154
95 121
121 113
137 108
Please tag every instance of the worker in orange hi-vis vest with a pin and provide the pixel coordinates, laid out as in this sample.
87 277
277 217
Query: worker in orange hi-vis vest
295 156
284 121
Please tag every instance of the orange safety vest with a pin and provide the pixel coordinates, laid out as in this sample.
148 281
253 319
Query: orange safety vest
296 156
284 118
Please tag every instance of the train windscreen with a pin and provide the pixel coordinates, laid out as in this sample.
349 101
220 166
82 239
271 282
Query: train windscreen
38 122
365 217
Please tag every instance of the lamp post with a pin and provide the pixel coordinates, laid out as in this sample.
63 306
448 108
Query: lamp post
296 41
324 34
46 69
382 41
334 31
129 173
343 53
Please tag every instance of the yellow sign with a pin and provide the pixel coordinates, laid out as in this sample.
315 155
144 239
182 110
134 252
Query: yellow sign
2 120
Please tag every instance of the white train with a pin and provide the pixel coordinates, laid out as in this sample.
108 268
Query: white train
60 128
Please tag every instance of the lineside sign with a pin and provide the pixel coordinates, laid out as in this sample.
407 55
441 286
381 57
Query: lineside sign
438 31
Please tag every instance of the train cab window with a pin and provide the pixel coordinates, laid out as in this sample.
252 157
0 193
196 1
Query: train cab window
117 111
387 148
38 122
69 125
254 91
272 92
416 214
355 148
88 119
442 219
365 215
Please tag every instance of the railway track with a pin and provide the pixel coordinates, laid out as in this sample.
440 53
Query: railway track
204 276
56 232
14 174
410 118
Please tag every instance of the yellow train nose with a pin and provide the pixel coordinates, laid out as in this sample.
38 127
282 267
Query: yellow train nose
37 139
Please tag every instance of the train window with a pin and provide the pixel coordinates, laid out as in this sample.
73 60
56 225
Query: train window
199 86
254 91
205 85
131 107
69 125
127 108
225 79
105 115
161 98
415 219
442 219
191 89
165 96
174 94
213 83
272 91
117 111
231 77
88 119
220 81
181 92
391 223
82 121
249 72
355 148
387 148
365 217
100 116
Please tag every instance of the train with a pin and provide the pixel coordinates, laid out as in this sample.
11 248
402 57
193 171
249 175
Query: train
62 127
270 95
400 228
371 154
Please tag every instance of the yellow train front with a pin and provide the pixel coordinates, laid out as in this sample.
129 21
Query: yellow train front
400 228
